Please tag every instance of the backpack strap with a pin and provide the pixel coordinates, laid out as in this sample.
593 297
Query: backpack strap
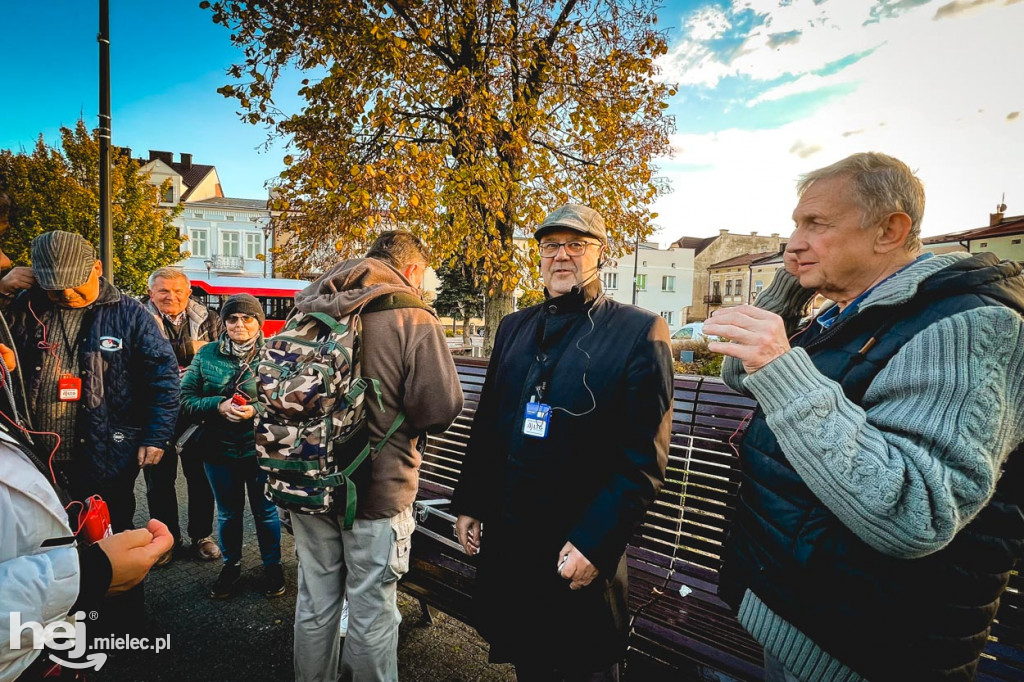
342 478
395 301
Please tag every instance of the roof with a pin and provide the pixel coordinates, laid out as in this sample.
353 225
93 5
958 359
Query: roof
1009 225
192 176
231 202
257 286
698 244
745 259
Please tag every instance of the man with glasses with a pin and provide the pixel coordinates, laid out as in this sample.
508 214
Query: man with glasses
405 355
568 450
188 325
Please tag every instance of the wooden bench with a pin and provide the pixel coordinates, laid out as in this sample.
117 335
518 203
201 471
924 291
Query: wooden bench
680 629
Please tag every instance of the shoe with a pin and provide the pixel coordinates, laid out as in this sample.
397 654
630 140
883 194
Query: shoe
344 617
206 549
166 557
225 584
273 580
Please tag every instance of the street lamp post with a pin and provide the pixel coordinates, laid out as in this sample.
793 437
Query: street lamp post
209 266
268 231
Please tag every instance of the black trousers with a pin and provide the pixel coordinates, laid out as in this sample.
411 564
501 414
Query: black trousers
163 497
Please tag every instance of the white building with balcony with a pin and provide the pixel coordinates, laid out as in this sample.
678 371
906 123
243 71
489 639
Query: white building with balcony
223 235
664 280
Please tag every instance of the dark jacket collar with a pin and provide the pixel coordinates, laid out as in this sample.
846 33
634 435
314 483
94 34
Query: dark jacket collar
576 300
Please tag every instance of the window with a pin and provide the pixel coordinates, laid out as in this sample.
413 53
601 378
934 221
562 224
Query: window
668 283
229 217
984 244
758 285
252 245
739 287
168 197
728 287
667 314
645 264
199 242
673 265
197 214
715 289
1015 241
641 282
611 280
229 244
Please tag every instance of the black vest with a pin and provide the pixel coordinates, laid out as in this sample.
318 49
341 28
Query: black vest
886 618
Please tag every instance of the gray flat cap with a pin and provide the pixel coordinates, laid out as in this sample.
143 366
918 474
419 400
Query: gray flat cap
581 219
62 260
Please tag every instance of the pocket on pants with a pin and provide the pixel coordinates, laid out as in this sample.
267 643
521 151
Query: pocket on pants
402 527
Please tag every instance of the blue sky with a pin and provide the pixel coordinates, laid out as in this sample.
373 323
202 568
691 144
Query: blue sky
767 89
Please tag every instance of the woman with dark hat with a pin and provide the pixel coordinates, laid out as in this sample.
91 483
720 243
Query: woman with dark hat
218 390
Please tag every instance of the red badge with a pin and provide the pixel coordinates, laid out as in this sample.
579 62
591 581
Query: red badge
69 389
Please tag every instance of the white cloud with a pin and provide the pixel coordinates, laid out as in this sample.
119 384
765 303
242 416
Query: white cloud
944 96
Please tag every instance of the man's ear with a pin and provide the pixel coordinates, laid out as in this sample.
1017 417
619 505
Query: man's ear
97 268
892 233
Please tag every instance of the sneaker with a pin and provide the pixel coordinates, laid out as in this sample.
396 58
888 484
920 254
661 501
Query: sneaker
206 549
273 580
344 617
224 587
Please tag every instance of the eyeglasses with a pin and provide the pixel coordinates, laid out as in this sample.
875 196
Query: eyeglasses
550 249
239 318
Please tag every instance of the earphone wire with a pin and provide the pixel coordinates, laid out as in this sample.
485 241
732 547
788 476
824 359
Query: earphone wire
593 400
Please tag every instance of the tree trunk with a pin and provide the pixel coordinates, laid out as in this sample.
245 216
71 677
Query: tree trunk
499 304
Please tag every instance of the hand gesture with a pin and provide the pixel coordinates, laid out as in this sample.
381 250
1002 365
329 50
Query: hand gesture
575 567
757 336
17 279
133 552
469 530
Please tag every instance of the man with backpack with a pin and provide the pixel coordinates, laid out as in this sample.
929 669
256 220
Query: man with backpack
403 359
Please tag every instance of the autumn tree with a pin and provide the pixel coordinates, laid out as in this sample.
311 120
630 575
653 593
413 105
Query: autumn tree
530 297
459 296
464 121
58 189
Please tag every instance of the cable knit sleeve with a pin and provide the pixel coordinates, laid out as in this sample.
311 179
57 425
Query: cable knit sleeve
922 457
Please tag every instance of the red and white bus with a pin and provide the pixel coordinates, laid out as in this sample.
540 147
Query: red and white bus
277 296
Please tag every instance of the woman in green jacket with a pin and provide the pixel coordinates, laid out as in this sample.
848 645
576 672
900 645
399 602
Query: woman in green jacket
218 390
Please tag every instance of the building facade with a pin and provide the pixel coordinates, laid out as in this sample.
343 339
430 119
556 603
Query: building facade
663 280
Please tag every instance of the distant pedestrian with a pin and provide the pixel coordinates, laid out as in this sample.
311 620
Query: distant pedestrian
188 325
218 390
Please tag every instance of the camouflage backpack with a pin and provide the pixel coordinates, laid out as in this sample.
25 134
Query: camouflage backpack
311 434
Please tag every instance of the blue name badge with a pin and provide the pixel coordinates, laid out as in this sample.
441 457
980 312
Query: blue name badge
536 420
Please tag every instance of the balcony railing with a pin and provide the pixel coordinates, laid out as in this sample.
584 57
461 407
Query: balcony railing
713 299
233 263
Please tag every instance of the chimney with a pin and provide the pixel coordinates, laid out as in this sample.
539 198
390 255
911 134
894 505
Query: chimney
186 161
722 233
997 217
166 157
753 233
775 234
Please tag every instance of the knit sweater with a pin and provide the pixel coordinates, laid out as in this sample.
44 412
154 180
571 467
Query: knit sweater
914 462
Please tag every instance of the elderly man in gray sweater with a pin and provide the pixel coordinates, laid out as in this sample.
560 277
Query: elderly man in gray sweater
880 511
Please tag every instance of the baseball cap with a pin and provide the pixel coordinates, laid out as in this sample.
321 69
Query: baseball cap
582 219
62 260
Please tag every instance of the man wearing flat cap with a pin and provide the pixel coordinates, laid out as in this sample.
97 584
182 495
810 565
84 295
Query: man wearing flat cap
97 372
568 450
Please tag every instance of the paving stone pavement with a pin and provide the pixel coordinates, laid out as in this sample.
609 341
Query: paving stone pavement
249 637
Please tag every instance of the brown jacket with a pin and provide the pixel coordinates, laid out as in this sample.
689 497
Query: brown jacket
405 350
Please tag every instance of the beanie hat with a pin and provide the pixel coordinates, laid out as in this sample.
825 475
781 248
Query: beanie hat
242 304
62 260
